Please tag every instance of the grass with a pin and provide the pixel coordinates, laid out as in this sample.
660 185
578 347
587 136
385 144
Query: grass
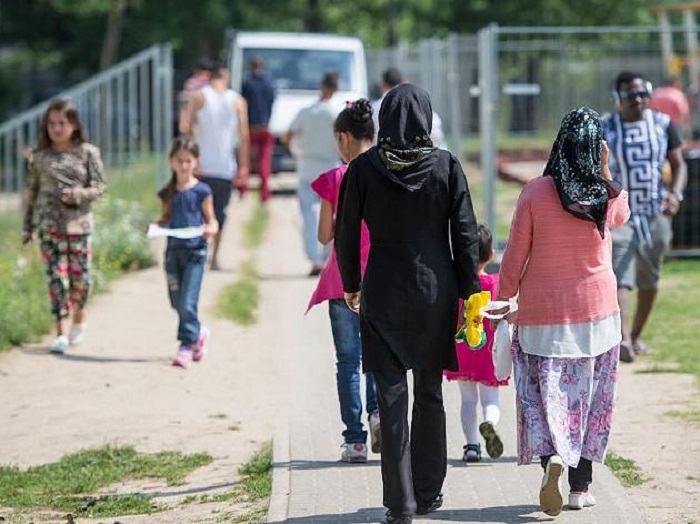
255 489
673 329
73 484
625 470
691 416
239 301
254 230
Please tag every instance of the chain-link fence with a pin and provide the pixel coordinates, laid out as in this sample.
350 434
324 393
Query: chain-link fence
127 111
502 93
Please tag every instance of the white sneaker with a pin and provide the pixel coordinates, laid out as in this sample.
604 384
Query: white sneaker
354 453
59 345
551 499
581 500
375 433
77 333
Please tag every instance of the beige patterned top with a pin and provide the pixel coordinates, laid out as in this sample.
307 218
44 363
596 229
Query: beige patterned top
50 172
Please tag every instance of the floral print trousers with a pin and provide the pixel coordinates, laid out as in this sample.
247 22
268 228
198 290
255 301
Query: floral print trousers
67 260
564 406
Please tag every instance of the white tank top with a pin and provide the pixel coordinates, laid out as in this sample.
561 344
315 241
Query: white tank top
217 133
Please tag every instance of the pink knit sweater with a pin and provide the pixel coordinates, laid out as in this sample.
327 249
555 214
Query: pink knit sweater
557 263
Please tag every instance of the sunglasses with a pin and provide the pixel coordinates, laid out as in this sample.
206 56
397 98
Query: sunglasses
633 95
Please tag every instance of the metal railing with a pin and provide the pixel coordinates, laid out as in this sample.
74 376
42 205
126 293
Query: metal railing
127 112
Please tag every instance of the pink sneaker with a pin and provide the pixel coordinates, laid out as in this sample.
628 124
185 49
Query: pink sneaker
183 357
199 349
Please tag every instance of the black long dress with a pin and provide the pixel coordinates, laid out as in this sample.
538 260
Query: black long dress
423 255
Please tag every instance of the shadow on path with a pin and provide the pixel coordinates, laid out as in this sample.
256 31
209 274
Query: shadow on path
44 352
507 514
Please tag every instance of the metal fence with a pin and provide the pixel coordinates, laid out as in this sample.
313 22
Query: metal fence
502 92
127 111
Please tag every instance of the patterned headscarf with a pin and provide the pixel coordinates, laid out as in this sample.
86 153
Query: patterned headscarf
574 164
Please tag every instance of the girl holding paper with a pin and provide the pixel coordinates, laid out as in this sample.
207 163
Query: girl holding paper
187 203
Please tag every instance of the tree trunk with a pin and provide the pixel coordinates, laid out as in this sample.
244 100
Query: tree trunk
312 20
110 44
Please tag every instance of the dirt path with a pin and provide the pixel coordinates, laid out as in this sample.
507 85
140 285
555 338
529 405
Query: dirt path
666 448
119 388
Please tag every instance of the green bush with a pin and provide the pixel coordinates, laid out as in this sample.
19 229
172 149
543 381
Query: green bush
119 240
24 311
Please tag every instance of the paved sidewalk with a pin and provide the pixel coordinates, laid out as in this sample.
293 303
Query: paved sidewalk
312 486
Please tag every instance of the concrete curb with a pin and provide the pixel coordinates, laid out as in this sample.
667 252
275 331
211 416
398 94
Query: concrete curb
278 508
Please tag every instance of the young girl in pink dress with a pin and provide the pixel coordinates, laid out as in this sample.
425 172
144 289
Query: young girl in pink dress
476 376
354 133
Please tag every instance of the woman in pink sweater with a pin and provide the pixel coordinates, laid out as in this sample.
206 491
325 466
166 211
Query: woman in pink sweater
566 342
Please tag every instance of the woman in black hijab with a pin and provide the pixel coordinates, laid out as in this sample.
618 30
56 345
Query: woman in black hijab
424 255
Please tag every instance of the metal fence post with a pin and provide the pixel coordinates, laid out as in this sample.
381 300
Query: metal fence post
454 95
488 113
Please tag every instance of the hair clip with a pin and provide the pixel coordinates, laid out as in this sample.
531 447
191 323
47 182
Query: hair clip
349 104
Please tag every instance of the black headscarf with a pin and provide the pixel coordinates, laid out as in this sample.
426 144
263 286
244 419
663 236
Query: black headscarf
574 164
404 146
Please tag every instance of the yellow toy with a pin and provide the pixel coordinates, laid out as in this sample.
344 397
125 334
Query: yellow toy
472 331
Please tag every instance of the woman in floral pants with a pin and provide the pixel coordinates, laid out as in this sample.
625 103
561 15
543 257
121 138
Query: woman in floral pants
65 177
567 338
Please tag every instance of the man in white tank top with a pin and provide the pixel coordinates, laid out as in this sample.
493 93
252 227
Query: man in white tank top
217 117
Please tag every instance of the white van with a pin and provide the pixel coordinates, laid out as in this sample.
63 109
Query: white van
296 62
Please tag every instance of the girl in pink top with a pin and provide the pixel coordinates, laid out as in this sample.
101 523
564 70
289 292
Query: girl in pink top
354 132
567 338
476 376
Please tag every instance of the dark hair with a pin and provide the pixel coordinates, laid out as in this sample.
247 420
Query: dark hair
180 143
625 78
330 80
67 108
257 63
217 69
485 243
204 63
356 119
392 77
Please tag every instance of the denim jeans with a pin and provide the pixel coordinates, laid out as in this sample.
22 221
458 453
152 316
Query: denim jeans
184 269
348 353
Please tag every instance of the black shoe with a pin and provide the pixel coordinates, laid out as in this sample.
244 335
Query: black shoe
435 505
398 519
472 453
494 444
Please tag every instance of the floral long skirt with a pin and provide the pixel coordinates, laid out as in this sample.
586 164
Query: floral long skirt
564 406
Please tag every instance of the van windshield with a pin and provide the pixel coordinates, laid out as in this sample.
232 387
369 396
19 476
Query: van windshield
303 68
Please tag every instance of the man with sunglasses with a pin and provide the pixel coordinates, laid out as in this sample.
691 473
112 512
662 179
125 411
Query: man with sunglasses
641 140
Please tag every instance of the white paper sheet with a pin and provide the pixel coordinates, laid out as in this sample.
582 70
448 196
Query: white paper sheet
155 231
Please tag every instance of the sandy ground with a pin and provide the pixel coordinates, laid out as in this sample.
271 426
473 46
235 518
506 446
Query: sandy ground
666 448
118 388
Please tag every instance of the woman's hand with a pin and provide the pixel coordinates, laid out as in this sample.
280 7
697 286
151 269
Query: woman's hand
353 301
209 230
66 195
604 156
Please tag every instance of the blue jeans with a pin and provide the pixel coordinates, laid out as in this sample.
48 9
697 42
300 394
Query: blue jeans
184 269
348 353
